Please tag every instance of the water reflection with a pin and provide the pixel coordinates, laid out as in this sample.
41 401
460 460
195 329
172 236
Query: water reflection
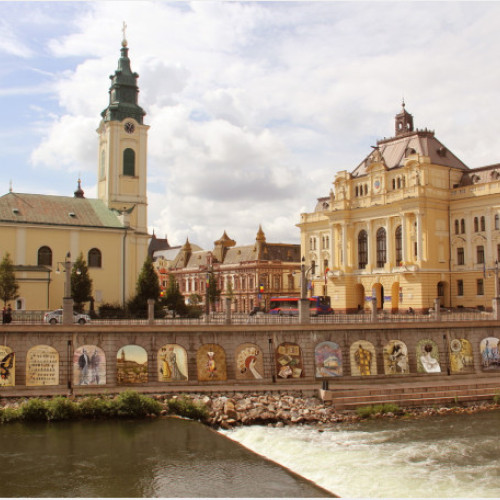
159 458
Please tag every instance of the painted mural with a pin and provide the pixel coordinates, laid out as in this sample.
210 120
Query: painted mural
461 357
289 361
490 353
7 367
172 363
328 359
42 366
89 366
249 362
131 365
363 359
211 363
428 357
395 358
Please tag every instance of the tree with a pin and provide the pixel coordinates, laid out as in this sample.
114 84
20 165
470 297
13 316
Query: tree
8 283
213 292
147 287
81 283
174 299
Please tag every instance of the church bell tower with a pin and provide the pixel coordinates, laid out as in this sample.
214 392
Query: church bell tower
123 139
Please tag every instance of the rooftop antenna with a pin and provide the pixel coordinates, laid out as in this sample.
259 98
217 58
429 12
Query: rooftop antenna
10 186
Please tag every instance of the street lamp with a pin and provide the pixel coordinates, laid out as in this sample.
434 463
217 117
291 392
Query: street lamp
67 316
304 312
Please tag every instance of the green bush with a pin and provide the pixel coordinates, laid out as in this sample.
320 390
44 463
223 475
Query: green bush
94 407
370 411
133 404
184 407
61 408
112 311
34 410
9 415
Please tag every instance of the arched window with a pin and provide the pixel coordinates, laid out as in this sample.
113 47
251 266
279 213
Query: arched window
462 226
483 223
44 256
381 247
497 221
457 226
480 254
129 162
94 258
362 249
399 245
476 224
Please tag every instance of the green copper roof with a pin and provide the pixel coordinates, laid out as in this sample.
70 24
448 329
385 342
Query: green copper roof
123 93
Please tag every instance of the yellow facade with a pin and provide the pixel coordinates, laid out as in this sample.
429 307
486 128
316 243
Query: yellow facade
386 232
38 231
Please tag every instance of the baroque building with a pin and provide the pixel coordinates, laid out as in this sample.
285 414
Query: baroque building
40 232
411 223
249 275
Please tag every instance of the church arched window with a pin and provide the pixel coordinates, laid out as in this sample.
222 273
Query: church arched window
129 162
362 249
44 256
381 247
95 258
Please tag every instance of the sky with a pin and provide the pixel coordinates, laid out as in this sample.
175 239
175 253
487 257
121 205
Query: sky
254 107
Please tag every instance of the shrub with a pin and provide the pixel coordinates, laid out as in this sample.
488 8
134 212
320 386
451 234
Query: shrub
184 407
94 407
61 408
133 404
111 311
34 410
369 411
9 415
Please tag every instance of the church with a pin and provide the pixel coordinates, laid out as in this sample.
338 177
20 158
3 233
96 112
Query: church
42 232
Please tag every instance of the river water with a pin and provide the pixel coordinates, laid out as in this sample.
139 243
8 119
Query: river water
155 458
446 456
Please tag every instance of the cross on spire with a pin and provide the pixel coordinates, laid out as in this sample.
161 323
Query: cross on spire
124 31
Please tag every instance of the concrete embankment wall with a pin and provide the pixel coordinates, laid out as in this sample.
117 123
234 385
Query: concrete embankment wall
253 355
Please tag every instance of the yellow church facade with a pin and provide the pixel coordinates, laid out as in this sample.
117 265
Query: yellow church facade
41 232
410 224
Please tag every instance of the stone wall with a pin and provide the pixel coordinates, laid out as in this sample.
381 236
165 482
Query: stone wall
184 356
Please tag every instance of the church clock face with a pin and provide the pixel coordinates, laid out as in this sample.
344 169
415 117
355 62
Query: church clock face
129 127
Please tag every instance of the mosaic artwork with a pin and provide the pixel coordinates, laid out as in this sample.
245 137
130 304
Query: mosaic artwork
490 355
89 366
328 359
42 366
131 365
172 363
211 363
395 358
249 362
363 359
428 357
7 366
289 361
461 357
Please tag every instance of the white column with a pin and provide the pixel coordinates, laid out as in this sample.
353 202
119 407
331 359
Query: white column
403 238
390 241
420 240
344 245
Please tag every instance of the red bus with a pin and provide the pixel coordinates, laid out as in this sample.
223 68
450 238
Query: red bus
289 306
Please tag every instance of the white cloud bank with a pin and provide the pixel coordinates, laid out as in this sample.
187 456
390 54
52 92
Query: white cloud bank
255 106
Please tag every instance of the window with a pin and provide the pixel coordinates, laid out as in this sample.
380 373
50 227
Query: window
440 289
476 224
457 226
129 162
460 287
480 287
325 265
480 254
497 221
44 256
95 258
460 256
483 223
313 268
291 282
362 249
462 226
381 247
399 245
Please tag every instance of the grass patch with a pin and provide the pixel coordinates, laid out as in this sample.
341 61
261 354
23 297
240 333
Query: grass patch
371 411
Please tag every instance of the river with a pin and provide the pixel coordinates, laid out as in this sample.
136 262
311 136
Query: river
448 456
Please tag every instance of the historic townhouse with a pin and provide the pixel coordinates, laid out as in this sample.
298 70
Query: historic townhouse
409 224
40 231
250 275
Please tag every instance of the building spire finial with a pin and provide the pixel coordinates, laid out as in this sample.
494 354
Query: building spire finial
124 31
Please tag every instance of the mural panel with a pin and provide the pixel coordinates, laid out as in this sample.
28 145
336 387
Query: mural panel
89 366
42 366
363 359
395 358
132 365
249 362
172 363
328 359
289 361
7 366
428 357
490 356
461 357
211 363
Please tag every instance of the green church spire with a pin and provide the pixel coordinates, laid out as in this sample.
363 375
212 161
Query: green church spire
124 92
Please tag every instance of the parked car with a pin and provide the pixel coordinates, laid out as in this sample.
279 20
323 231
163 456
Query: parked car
54 317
